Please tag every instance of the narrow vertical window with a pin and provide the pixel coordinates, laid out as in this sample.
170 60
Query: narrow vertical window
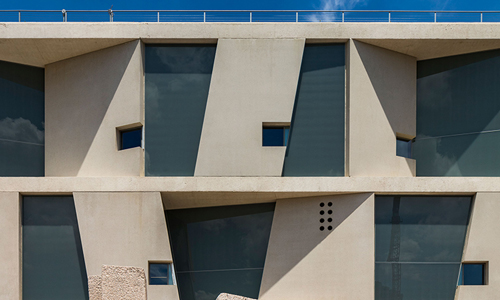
316 143
22 118
177 83
53 263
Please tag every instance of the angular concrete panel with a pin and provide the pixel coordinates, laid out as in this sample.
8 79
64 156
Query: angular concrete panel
86 98
382 104
253 81
483 245
304 262
124 229
10 246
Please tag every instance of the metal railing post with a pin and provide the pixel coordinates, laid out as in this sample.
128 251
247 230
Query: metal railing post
204 16
435 17
389 17
481 17
65 18
250 17
342 17
157 16
297 16
19 16
110 12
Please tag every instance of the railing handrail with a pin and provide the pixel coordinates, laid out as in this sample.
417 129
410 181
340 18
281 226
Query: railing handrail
344 13
248 10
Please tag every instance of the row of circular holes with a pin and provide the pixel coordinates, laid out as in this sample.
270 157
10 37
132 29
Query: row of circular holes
322 212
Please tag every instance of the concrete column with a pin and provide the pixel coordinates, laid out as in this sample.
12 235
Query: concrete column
124 229
304 262
86 99
483 245
253 81
10 246
382 105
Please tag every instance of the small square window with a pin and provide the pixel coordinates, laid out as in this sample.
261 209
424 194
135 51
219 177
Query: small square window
160 274
472 274
275 136
130 138
403 147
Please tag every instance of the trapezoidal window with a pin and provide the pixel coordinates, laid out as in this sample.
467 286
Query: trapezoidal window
219 249
53 263
419 243
316 142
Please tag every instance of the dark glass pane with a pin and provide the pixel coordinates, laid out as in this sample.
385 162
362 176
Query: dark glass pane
177 84
131 138
272 137
53 264
208 285
403 148
473 274
463 155
419 243
457 108
415 281
21 120
316 143
160 274
458 94
211 241
21 159
431 229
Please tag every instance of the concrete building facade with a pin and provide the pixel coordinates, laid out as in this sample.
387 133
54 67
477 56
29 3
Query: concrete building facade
339 210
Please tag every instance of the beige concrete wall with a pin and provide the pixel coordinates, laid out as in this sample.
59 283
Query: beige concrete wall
124 229
483 245
10 246
382 99
40 44
86 98
303 262
253 81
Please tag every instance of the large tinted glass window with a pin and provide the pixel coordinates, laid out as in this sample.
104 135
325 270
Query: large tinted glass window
219 249
53 264
21 120
316 142
458 115
177 84
418 247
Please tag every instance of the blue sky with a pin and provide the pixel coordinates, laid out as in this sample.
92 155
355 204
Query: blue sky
256 4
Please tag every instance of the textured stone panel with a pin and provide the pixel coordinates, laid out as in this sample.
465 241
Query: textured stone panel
95 287
225 296
123 283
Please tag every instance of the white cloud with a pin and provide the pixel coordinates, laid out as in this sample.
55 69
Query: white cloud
333 5
20 129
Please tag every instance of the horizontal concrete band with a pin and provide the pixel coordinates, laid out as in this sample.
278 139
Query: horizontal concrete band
276 185
150 31
40 44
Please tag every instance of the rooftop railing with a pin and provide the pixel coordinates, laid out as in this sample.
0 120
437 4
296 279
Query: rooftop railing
248 16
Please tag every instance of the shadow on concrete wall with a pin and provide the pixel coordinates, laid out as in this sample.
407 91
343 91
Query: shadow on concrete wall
296 233
84 88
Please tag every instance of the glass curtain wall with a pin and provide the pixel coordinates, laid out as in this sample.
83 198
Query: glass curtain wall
177 84
53 263
22 117
219 249
418 246
458 115
316 142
